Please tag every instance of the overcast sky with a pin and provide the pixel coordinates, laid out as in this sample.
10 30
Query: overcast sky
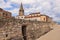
47 7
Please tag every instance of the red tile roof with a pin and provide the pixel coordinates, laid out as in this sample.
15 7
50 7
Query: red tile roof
34 13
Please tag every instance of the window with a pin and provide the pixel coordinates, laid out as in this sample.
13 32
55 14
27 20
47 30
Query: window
6 35
21 17
44 18
3 13
6 14
35 19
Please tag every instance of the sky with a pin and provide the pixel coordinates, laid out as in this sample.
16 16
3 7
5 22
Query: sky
47 7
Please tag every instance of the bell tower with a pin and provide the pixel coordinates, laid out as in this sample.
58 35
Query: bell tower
21 11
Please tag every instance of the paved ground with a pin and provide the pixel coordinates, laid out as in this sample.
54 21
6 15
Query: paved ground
52 35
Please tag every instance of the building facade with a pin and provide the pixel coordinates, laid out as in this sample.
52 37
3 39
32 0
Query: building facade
4 14
33 16
38 17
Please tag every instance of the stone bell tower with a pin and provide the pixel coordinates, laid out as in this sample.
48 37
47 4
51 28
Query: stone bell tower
21 11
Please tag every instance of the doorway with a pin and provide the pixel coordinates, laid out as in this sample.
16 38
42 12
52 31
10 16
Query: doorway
24 32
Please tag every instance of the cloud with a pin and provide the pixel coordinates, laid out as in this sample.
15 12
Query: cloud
23 1
48 7
5 0
14 12
3 4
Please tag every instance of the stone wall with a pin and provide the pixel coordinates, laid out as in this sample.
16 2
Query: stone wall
12 29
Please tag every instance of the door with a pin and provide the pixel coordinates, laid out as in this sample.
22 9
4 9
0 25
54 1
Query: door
24 32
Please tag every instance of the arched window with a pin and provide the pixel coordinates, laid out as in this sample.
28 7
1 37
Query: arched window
6 14
44 18
6 35
3 14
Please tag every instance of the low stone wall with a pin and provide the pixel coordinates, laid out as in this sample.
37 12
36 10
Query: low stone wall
13 30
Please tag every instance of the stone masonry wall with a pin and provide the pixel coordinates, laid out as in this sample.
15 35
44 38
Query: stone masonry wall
12 30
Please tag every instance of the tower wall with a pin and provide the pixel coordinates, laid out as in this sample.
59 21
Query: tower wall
21 11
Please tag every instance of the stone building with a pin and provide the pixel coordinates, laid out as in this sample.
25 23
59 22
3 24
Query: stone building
38 17
33 16
5 14
45 18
